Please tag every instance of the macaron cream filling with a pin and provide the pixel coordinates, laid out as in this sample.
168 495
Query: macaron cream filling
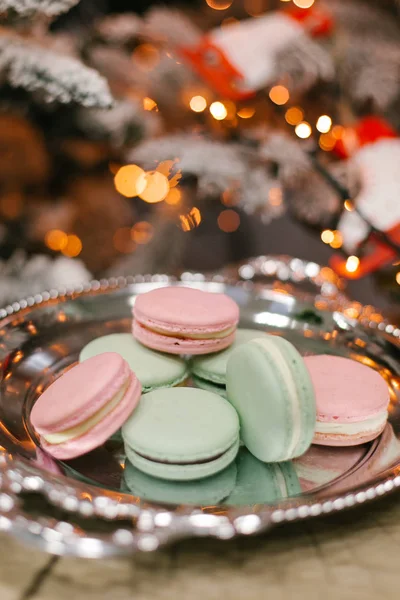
221 333
79 430
359 427
199 461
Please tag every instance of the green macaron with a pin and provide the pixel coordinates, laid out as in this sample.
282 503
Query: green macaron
261 483
212 367
203 384
203 492
181 434
153 369
270 387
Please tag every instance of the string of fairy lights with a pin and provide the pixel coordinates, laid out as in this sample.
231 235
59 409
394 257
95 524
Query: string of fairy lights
162 183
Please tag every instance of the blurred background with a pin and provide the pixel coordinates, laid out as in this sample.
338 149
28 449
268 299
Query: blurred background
139 138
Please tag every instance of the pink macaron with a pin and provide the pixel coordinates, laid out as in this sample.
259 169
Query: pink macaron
180 320
85 406
352 401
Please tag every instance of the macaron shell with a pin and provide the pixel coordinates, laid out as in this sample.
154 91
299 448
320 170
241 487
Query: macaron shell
188 472
96 436
346 390
202 492
324 439
181 425
173 345
263 398
79 393
213 368
153 369
186 310
210 387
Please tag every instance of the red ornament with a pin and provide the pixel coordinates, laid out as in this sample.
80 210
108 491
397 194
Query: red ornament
238 60
372 230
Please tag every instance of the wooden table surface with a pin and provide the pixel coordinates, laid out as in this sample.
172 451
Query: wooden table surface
353 555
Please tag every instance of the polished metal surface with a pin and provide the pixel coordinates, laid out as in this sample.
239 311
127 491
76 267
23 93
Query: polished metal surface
99 505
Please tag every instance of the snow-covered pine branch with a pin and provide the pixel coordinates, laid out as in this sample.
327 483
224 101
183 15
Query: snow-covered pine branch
54 77
31 8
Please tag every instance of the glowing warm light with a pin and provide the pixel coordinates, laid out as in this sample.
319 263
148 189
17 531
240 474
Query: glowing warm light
303 3
229 197
303 130
327 236
294 115
149 103
324 123
352 264
156 187
229 21
337 241
219 4
279 94
147 56
73 246
123 241
173 197
198 104
56 239
228 221
275 196
338 132
218 111
129 181
327 142
255 8
398 277
246 113
230 109
349 205
142 232
191 220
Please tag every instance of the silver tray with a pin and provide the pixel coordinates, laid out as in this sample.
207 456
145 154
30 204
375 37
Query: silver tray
92 507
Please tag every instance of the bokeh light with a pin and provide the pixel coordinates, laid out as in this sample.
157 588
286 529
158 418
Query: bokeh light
303 3
73 247
326 142
324 123
146 56
218 111
56 240
149 103
198 104
337 241
142 232
398 277
294 115
275 196
255 8
246 112
219 4
327 236
130 181
191 220
173 197
352 264
279 94
156 188
349 206
228 220
303 130
123 241
338 132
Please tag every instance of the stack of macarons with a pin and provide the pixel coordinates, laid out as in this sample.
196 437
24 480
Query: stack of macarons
188 388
